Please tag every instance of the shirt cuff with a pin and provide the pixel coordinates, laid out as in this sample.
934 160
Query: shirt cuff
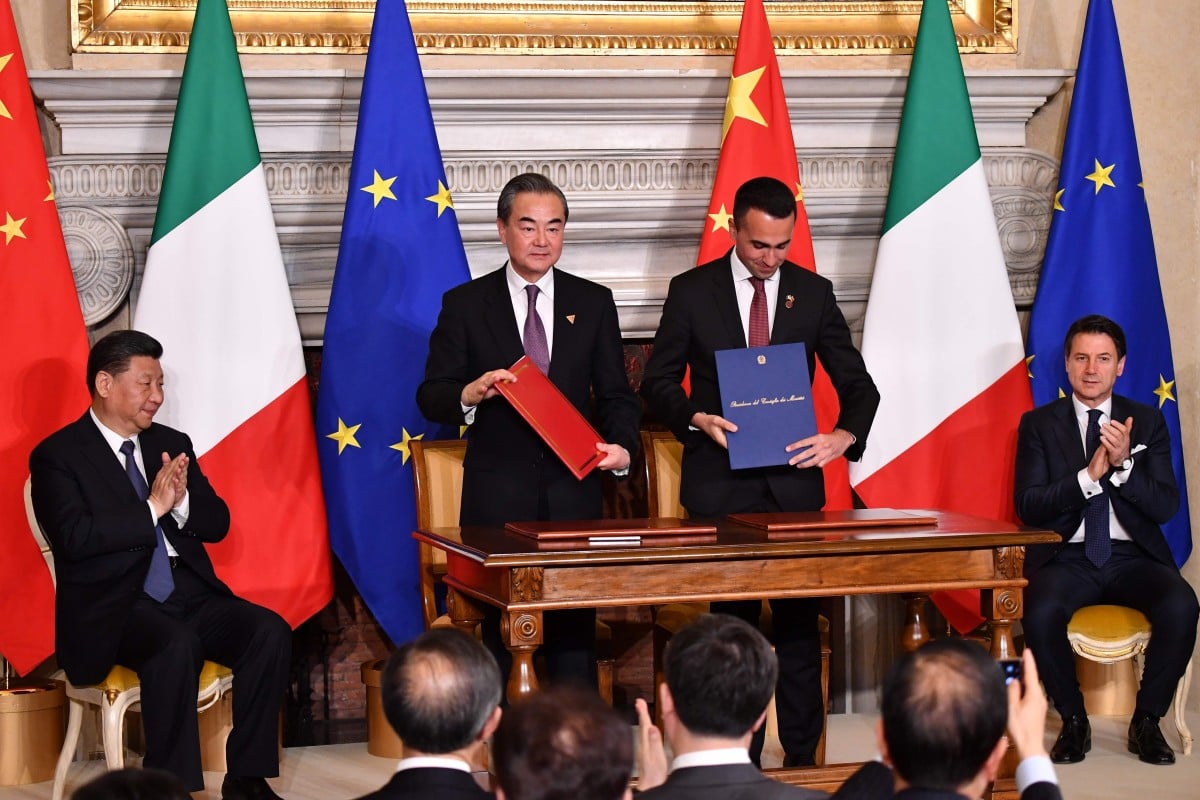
468 413
1089 487
181 512
1035 769
1120 476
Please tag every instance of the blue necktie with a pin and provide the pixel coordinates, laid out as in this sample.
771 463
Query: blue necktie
159 581
1096 544
534 336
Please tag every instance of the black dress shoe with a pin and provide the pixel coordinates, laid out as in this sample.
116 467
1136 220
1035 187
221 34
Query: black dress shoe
1073 741
1146 740
793 761
234 788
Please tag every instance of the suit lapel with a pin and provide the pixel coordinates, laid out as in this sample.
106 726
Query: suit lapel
725 302
498 315
107 464
785 315
1066 430
565 350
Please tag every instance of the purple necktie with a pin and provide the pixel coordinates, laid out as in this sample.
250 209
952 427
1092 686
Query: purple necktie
159 581
1096 544
534 337
760 331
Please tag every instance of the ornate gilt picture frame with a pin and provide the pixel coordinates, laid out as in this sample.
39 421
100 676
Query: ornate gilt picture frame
574 27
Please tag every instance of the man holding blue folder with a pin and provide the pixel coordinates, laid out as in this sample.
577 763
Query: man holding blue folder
751 297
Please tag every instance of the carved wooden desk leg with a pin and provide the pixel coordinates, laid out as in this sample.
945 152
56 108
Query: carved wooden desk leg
1002 607
915 632
522 633
465 613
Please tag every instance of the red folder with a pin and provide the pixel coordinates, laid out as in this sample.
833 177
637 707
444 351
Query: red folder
559 423
825 520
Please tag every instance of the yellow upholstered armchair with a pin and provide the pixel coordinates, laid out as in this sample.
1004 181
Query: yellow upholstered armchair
437 481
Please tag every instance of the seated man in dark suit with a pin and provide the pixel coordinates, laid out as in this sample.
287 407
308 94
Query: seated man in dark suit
128 511
945 709
720 673
441 694
1096 468
563 742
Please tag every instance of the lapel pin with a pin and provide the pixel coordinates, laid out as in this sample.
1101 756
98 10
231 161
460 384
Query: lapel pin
571 318
789 301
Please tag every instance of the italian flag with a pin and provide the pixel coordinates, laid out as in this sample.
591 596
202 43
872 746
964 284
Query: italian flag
941 336
215 294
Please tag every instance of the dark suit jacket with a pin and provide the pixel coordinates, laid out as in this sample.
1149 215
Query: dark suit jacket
103 535
506 461
1049 457
701 316
430 782
726 782
874 781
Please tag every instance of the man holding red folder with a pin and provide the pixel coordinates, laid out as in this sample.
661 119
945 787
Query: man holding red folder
568 327
753 296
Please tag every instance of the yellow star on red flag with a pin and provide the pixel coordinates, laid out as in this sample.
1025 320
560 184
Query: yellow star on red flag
739 104
4 59
12 228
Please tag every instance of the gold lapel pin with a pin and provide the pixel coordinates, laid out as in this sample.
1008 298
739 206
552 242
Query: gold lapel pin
571 318
789 301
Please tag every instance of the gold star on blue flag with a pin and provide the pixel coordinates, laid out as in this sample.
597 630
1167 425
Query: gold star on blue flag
1100 255
395 261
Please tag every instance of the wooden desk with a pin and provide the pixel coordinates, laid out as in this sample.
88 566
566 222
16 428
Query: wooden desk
486 566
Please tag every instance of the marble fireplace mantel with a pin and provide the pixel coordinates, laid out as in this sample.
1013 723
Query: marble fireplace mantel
634 150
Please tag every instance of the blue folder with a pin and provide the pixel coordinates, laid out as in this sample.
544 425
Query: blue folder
767 393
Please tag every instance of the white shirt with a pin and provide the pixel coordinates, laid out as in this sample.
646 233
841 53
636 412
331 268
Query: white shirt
432 762
520 301
711 758
1090 487
115 440
1035 769
745 293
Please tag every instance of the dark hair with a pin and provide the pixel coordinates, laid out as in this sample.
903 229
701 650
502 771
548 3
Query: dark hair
562 743
528 183
768 195
721 672
1094 323
133 784
945 707
113 353
439 690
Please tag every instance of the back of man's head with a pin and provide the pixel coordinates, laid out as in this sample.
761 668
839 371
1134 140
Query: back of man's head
721 673
562 743
945 707
439 690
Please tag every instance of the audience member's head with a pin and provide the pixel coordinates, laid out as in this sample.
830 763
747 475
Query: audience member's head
562 743
720 675
133 784
945 707
441 692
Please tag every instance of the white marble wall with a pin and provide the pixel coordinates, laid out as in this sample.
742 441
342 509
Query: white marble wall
634 150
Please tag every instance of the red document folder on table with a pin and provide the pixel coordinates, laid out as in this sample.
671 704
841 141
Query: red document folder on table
559 423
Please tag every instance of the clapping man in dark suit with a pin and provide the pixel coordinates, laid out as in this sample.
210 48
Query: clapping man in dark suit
720 673
715 307
568 327
441 694
1096 468
127 511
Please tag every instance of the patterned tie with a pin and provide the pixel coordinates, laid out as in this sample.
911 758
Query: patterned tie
159 581
1096 544
760 331
534 337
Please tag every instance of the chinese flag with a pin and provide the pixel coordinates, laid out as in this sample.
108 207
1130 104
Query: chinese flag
45 352
756 140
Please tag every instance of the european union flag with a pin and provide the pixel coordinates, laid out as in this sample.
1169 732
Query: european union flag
400 251
1100 257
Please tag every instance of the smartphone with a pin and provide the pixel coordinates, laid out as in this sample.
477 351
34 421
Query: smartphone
1012 670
